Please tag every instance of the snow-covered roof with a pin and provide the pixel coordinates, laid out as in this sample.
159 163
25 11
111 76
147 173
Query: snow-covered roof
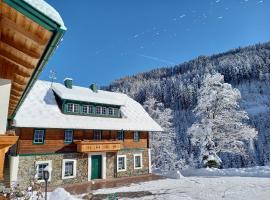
47 10
40 110
87 95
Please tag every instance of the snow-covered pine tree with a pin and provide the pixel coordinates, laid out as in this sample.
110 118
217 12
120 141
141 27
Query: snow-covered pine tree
164 155
221 126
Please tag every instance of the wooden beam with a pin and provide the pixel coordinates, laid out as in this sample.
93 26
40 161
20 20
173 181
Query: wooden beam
18 86
7 23
16 93
13 101
13 105
23 70
16 59
13 96
19 47
20 79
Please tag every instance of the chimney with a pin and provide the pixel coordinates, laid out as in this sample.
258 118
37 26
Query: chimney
68 83
93 87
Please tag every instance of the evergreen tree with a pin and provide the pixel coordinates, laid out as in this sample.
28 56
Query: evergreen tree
221 123
162 143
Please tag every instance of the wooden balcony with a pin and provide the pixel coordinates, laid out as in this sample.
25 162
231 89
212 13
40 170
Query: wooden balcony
85 146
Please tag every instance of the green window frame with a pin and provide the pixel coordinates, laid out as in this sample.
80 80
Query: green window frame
136 136
110 111
116 112
76 108
90 109
104 110
85 109
97 135
120 135
68 136
98 110
70 107
39 136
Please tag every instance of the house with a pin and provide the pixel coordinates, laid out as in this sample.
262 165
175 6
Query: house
30 31
81 134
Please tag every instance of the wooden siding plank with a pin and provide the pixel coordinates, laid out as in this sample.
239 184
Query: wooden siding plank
54 140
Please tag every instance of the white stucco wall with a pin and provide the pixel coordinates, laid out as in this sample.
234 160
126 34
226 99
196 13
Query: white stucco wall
5 86
14 167
149 161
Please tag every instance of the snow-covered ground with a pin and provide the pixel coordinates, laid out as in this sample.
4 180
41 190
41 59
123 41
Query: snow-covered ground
208 184
209 188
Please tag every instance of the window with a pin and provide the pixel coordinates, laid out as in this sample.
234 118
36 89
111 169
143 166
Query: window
98 110
90 109
70 107
137 161
76 108
69 168
85 109
97 135
115 112
68 136
136 136
120 135
39 136
73 107
110 111
40 167
121 163
104 110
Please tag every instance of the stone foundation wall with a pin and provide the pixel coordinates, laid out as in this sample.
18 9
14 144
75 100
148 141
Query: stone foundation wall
27 169
110 165
130 171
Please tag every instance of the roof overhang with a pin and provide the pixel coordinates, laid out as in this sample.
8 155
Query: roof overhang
27 40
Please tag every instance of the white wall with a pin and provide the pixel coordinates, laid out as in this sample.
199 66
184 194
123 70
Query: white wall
14 166
5 86
149 161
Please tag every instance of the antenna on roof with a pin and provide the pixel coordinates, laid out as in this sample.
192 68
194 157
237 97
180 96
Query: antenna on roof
52 76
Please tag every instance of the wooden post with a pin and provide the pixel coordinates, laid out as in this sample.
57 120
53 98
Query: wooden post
6 142
2 162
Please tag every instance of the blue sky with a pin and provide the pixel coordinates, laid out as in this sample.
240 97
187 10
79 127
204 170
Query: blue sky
107 40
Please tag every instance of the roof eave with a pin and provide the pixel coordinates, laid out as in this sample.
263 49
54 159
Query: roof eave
48 24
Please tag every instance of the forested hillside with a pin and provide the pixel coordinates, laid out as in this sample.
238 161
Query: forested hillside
170 96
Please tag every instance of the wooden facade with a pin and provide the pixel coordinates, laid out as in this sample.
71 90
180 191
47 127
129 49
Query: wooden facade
54 140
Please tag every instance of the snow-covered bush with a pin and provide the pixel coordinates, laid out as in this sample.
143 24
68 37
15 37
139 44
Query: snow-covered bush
33 192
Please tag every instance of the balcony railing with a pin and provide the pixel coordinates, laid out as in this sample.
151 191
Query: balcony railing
99 145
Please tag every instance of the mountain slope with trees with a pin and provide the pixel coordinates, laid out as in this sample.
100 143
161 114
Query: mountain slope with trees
170 95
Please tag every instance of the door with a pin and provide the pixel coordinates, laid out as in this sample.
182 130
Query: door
96 166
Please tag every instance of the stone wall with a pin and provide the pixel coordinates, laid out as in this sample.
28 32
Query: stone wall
130 171
110 165
27 169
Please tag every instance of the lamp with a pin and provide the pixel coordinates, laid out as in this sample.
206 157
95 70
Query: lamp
46 176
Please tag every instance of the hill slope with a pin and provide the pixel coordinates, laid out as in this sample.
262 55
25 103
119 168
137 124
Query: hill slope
170 95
